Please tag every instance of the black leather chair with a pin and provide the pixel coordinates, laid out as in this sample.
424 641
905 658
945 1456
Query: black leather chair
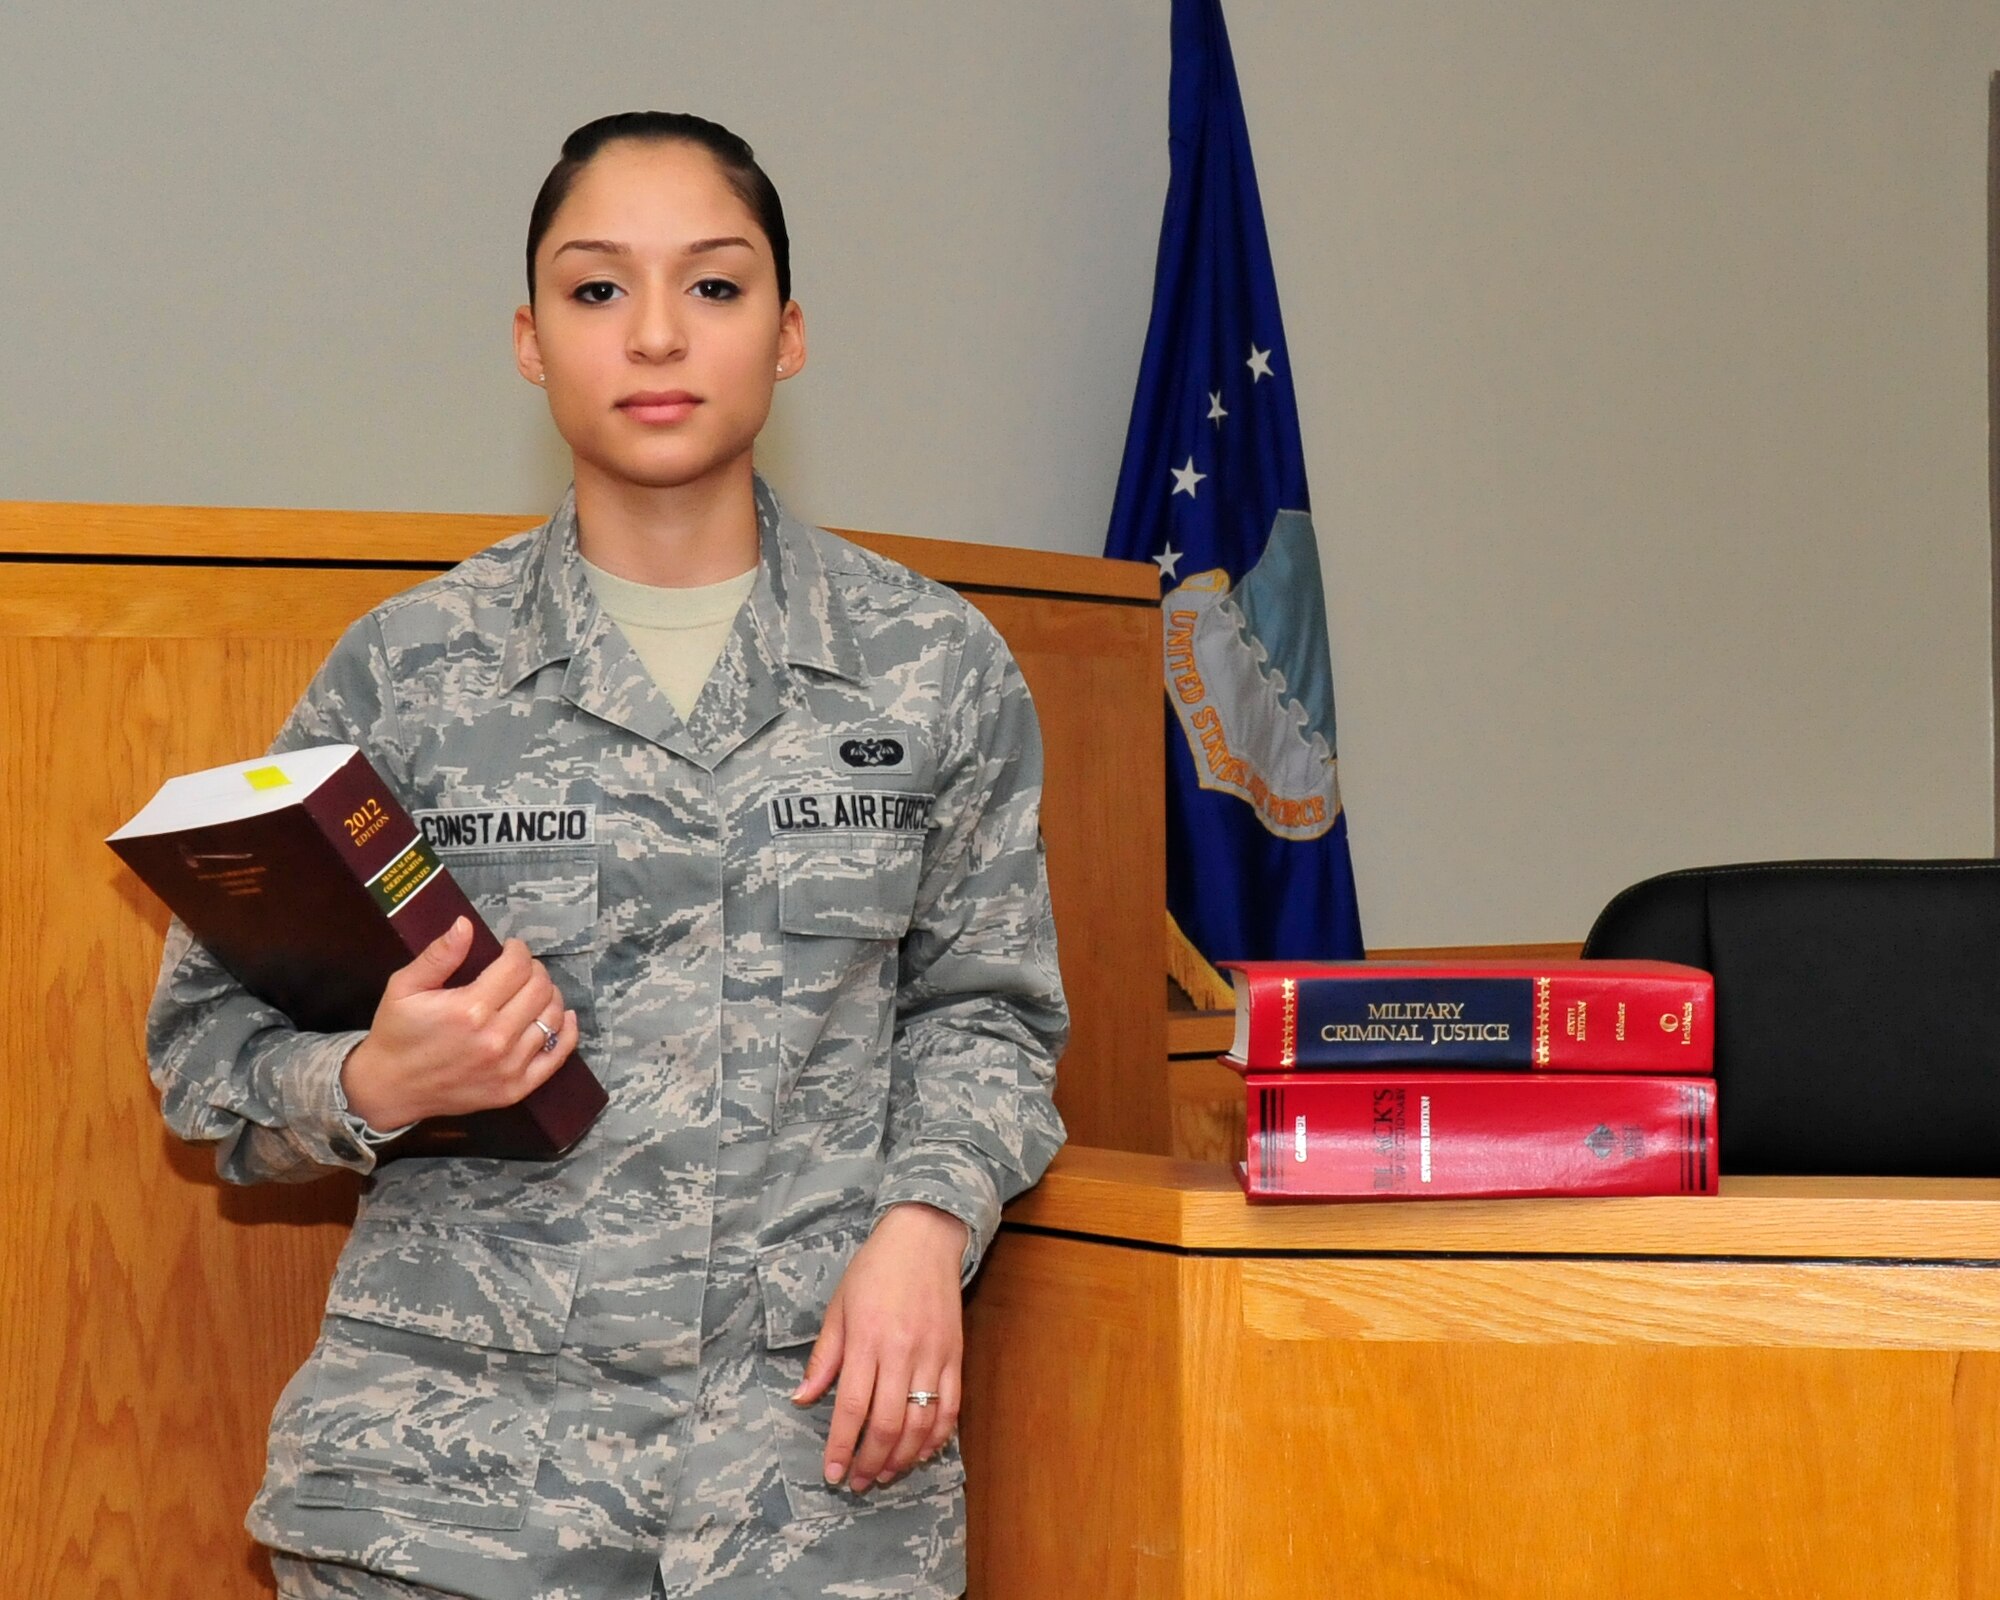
1857 1007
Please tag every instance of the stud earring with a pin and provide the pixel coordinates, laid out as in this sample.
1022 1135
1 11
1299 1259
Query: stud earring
541 377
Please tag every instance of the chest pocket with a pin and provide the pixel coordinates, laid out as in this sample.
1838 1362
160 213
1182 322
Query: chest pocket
844 902
547 898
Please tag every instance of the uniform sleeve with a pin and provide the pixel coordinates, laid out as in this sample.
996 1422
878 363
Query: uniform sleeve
231 1070
980 1015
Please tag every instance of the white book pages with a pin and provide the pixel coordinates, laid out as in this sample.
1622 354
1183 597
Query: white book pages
242 789
1240 1046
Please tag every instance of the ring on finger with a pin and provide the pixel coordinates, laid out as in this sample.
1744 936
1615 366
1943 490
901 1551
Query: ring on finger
549 1035
923 1397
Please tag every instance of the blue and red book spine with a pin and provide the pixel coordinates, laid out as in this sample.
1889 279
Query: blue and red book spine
1558 1016
1477 1135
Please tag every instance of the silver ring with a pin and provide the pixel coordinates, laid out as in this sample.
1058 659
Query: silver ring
923 1397
548 1035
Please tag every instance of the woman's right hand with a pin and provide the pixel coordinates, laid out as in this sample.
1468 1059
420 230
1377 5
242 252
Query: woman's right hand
433 1051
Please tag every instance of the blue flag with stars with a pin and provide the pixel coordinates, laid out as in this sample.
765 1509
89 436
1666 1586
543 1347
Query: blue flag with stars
1213 489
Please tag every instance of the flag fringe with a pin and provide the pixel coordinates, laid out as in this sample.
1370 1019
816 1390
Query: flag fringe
1199 981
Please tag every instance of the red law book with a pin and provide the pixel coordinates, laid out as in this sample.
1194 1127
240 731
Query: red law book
306 879
1466 1135
1555 1016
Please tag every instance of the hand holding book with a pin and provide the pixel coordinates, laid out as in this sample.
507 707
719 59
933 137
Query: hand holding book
306 879
434 1051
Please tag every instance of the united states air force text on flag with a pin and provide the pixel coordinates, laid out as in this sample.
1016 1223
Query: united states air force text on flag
1213 489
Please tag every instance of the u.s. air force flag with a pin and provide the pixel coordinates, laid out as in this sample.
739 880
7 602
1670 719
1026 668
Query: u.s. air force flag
1213 489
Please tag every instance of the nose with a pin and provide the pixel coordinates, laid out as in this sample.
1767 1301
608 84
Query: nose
657 331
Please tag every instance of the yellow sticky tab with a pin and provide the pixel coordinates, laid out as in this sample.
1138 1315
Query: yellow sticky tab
267 777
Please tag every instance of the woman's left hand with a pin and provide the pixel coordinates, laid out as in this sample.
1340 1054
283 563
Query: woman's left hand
895 1326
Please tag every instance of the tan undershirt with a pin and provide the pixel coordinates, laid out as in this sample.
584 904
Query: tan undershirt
677 633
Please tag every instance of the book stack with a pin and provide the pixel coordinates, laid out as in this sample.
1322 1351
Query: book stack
1372 1080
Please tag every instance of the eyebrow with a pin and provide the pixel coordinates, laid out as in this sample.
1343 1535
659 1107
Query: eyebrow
611 247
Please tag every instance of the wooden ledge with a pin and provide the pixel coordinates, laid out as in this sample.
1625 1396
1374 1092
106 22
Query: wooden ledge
246 533
988 566
74 530
1197 1206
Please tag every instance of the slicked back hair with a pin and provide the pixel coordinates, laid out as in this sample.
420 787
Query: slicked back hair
732 154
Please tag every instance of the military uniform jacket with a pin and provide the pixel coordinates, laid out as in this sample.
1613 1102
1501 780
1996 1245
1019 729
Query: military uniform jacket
808 940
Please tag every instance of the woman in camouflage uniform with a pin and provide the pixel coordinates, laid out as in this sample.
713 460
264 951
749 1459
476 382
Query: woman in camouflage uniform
795 915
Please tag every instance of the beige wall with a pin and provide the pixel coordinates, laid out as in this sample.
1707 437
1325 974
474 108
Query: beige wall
1641 362
1640 349
271 251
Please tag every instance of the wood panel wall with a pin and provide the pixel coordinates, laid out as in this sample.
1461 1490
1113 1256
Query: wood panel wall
148 1313
151 1313
1168 1427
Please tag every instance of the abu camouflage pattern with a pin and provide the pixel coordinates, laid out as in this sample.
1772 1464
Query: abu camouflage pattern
543 1381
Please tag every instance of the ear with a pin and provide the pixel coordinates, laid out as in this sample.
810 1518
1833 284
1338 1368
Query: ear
527 347
791 340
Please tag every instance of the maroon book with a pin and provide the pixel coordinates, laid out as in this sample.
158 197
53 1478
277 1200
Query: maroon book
1462 1135
305 877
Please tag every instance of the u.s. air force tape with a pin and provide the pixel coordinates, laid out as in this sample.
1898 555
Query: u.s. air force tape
507 827
819 810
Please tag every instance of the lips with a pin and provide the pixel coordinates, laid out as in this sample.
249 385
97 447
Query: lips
659 405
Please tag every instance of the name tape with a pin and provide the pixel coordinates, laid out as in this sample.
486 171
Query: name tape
507 827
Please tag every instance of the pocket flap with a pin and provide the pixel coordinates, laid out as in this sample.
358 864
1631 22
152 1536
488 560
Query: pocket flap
797 1280
848 886
470 1285
545 898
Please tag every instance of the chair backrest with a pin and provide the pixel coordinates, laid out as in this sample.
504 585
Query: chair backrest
1857 1008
